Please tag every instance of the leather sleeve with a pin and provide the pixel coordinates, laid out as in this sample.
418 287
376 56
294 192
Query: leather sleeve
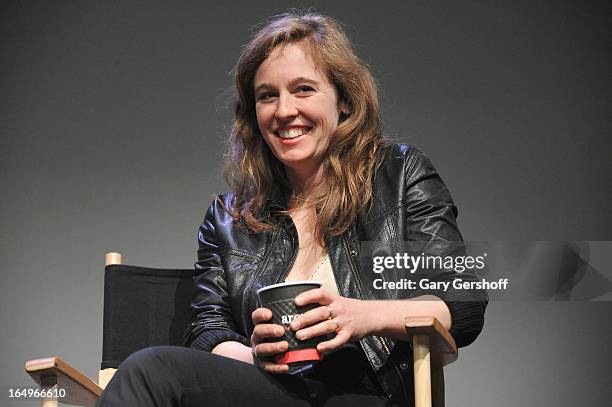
431 217
212 321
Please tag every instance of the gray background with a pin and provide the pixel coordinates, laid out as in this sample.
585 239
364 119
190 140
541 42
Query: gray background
113 117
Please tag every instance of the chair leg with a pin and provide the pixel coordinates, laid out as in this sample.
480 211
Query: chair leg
49 401
437 388
105 376
422 371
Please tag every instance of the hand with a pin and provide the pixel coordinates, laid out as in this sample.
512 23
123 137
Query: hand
262 349
348 318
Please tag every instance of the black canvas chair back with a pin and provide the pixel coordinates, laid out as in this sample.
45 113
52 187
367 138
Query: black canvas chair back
143 307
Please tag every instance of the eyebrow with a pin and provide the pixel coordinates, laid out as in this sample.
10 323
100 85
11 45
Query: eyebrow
293 83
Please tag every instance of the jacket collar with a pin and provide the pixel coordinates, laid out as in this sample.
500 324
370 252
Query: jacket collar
277 201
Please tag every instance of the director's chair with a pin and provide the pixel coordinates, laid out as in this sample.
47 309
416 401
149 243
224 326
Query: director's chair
147 307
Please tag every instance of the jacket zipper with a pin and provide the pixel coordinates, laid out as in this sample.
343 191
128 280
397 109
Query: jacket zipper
383 341
250 301
287 269
360 289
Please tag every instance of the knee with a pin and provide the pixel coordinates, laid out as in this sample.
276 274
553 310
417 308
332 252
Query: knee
147 361
142 378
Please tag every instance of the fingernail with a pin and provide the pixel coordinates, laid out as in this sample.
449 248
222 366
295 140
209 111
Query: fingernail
295 325
298 300
279 332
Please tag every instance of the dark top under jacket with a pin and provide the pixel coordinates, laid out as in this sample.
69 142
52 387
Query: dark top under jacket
410 203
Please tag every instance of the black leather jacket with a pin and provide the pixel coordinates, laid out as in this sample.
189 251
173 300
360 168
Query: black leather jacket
411 203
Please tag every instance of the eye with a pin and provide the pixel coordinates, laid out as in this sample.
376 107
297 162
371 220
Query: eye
265 96
305 89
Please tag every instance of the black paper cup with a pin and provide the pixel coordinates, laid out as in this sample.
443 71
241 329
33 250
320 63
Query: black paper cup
280 299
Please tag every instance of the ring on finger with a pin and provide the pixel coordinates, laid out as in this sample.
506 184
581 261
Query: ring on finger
331 311
254 352
337 324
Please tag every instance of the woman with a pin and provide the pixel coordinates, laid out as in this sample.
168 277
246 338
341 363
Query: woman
312 178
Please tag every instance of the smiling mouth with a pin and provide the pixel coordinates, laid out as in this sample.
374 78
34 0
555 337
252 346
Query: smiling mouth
292 133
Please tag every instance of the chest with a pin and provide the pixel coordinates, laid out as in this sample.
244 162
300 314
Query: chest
311 254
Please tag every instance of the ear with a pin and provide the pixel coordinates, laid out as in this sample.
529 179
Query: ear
344 108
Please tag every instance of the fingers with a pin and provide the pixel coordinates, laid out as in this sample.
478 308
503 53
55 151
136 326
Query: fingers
274 368
260 315
328 326
335 343
310 318
316 295
268 349
265 332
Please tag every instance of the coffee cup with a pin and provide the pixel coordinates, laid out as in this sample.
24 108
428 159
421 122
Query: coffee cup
280 299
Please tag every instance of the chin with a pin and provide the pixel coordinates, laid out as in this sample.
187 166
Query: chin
291 161
290 155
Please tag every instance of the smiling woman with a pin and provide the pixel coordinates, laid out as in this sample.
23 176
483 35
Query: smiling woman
312 177
316 59
298 110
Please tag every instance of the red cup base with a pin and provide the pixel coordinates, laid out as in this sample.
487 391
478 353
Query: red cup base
296 356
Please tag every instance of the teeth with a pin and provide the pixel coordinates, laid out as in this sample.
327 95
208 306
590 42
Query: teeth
292 133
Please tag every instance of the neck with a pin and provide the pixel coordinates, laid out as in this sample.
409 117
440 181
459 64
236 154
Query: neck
305 182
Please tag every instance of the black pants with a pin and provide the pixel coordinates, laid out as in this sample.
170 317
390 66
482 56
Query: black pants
175 376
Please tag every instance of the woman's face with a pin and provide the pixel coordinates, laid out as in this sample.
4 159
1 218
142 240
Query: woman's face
297 108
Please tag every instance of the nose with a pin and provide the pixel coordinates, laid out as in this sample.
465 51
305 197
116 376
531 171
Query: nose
285 108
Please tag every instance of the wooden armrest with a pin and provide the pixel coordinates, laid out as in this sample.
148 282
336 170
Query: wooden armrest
80 390
442 345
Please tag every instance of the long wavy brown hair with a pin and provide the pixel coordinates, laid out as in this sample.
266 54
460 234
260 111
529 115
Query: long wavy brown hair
252 171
